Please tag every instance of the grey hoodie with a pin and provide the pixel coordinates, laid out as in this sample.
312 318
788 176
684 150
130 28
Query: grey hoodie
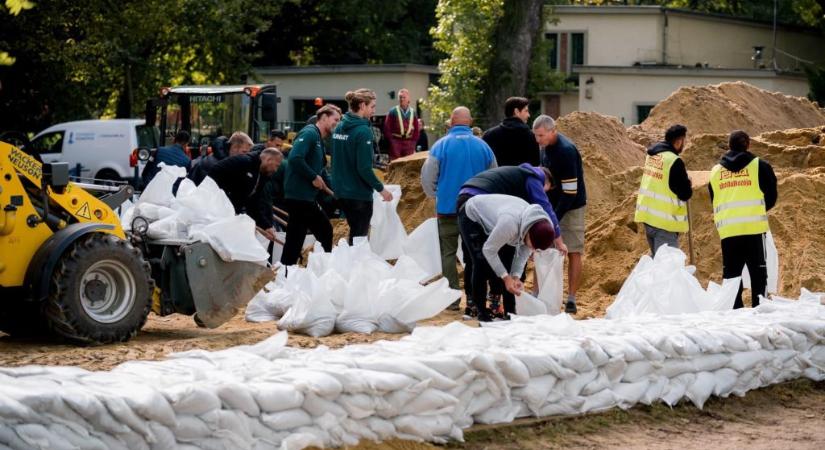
506 220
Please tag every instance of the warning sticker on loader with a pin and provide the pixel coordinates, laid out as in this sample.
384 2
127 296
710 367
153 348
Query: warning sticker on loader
84 212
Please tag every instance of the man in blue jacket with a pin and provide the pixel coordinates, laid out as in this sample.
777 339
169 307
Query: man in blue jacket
454 159
172 155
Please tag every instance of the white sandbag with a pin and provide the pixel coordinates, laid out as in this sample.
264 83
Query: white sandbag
387 234
772 264
427 302
233 238
422 245
549 273
159 190
527 305
311 316
204 204
168 228
271 303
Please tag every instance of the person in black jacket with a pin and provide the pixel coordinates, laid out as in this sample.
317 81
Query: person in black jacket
743 241
568 196
512 141
242 178
238 144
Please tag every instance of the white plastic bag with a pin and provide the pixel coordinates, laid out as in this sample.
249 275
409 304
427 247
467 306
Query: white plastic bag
772 263
387 235
313 316
423 247
204 204
159 190
527 305
233 239
549 273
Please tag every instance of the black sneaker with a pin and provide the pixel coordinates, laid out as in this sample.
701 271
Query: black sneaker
570 307
470 311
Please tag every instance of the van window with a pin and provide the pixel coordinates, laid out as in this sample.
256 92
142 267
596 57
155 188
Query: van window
147 136
48 143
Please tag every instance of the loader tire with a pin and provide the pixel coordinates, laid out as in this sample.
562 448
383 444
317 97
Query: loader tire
101 291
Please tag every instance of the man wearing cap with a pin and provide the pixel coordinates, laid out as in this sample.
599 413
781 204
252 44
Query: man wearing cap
489 222
743 190
401 127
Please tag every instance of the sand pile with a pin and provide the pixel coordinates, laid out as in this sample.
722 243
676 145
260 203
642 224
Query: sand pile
415 207
800 148
724 107
607 154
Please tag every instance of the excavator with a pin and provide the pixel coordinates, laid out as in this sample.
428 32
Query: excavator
68 269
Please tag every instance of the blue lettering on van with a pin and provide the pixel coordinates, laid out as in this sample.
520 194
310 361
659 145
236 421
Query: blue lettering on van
115 135
71 137
84 136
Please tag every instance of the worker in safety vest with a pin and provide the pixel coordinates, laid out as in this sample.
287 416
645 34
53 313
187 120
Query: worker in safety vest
664 191
743 189
402 127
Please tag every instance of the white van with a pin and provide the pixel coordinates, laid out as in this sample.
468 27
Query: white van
101 149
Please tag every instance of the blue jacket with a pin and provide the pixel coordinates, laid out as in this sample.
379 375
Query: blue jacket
172 155
453 160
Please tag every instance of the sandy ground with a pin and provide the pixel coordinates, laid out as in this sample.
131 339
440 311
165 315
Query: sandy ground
174 333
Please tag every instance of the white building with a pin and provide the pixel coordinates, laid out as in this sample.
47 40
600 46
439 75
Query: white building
298 87
626 59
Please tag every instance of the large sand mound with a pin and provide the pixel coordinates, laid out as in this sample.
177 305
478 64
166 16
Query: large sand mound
724 107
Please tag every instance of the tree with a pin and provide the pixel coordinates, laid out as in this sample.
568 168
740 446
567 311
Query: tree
14 7
78 60
464 33
515 36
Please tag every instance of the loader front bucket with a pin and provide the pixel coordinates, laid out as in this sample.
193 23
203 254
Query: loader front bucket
219 288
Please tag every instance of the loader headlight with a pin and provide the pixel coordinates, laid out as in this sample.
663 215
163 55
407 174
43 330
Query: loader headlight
140 225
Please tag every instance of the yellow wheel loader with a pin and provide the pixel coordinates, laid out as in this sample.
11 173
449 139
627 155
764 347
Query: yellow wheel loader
68 268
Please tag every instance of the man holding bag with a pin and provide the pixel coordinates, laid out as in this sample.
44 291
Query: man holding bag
743 189
489 222
529 183
352 177
453 160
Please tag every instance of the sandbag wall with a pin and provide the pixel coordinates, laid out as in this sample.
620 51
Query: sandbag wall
428 386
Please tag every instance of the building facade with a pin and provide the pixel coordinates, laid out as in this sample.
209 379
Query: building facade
625 59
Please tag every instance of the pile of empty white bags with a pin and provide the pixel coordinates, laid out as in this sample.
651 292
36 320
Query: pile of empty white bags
428 386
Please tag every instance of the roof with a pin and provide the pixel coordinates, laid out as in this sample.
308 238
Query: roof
348 68
659 70
656 9
213 89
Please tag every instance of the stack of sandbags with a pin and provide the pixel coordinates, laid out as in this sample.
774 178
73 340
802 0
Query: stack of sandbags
350 289
427 386
195 213
665 285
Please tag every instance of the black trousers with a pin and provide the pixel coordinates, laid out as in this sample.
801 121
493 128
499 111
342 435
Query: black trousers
507 253
358 214
304 216
473 238
749 250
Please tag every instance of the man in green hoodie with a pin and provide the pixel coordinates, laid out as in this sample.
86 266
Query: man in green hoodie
352 177
304 180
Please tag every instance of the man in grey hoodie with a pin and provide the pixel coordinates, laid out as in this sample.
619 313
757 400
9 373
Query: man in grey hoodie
489 222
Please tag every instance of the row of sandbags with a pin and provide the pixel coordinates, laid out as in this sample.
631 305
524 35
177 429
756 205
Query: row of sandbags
428 386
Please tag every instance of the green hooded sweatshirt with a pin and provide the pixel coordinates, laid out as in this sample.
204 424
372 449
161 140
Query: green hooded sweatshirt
306 161
352 154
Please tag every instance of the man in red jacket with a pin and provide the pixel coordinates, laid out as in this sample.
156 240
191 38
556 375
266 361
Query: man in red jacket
401 127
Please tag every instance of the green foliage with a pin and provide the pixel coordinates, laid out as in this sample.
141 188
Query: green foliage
78 60
541 78
350 32
465 34
15 7
816 82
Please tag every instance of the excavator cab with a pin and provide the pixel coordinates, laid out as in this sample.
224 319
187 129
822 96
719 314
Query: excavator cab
67 267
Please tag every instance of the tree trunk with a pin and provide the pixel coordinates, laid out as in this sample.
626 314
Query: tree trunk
126 97
515 35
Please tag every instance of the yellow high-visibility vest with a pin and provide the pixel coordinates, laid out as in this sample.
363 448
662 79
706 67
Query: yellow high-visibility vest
738 203
656 204
410 127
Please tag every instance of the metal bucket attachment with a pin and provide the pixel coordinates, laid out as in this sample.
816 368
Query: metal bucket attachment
219 288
